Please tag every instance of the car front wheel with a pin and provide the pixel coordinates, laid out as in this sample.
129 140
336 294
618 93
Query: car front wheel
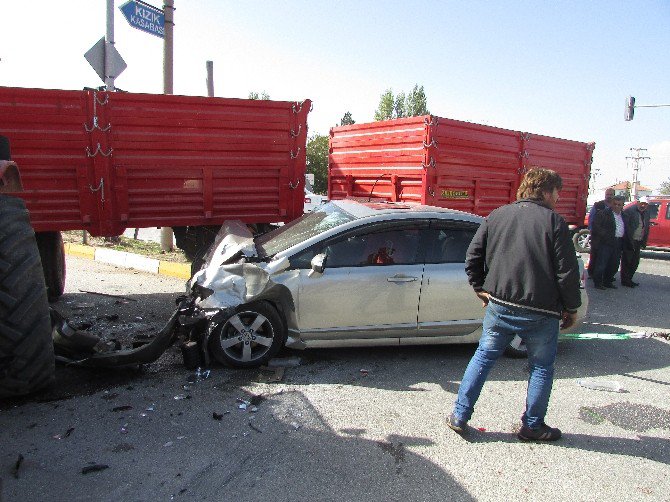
582 240
249 337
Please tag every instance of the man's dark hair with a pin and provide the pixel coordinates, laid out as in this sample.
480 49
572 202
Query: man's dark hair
536 182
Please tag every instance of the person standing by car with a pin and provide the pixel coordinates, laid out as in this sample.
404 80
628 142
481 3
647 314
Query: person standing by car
522 265
598 206
607 234
636 221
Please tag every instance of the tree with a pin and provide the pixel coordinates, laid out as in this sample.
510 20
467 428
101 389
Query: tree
254 95
386 106
416 104
401 105
317 161
347 119
665 187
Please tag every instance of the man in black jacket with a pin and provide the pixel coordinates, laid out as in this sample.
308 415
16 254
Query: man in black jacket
607 234
523 266
636 221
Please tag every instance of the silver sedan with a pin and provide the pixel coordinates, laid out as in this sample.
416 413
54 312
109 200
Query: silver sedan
350 273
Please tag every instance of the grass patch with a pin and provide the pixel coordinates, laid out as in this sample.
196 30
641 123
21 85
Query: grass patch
127 244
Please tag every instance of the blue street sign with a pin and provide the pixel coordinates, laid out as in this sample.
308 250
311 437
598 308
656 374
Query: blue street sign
144 17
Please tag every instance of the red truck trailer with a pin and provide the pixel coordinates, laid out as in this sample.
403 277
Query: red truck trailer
106 161
450 163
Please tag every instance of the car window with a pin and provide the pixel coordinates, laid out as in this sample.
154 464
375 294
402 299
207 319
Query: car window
653 211
667 212
299 230
399 245
449 245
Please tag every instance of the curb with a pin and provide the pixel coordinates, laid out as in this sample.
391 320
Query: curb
130 260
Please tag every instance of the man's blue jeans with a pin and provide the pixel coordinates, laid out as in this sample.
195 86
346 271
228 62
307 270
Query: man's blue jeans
540 334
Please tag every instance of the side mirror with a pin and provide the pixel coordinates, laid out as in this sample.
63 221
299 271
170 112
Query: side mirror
318 264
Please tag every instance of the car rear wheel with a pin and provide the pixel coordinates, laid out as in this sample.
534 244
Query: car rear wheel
249 337
582 240
517 348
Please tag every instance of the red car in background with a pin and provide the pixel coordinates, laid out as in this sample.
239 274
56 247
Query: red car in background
659 226
659 222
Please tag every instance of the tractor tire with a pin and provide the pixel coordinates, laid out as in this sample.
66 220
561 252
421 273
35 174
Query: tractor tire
52 254
27 359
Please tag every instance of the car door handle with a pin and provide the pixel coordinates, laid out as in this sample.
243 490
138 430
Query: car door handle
653 224
401 278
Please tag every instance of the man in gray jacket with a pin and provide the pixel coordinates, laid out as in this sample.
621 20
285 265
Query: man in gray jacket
522 265
636 222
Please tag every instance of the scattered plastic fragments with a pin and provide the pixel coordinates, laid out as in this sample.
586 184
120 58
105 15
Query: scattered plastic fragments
481 429
169 443
254 427
124 429
606 385
181 397
17 466
66 434
295 425
94 468
199 375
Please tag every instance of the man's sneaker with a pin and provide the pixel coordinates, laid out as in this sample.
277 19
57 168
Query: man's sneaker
456 424
543 433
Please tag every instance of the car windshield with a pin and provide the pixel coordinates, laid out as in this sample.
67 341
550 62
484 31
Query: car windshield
299 230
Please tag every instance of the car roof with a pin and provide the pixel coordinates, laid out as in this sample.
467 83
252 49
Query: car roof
364 208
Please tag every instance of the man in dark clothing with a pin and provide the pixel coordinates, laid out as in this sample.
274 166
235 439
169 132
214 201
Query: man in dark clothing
636 221
598 206
607 235
523 266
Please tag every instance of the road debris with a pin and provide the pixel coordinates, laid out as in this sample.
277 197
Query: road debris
364 372
17 466
606 385
94 468
65 435
108 295
126 407
251 424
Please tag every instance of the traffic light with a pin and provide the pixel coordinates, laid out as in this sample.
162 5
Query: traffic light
630 108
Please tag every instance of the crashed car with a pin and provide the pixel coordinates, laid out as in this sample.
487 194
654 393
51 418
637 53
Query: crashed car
350 273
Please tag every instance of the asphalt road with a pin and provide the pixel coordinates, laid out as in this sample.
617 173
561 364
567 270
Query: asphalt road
330 431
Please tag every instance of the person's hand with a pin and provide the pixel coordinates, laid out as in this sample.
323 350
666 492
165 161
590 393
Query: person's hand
568 319
484 297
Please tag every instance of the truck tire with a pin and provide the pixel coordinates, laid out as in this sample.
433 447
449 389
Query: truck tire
26 348
52 254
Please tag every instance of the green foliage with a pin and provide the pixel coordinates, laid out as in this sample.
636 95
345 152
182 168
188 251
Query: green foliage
665 187
254 95
416 103
347 119
394 107
386 108
317 161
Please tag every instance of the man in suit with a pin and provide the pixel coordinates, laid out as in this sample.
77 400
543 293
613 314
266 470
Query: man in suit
598 206
607 235
636 221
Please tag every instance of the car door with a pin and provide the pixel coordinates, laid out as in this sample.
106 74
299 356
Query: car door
448 305
369 288
659 224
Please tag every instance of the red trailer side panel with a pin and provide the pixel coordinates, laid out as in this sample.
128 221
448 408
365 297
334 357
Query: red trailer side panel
142 160
450 163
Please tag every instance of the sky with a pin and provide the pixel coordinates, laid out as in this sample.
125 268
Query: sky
560 68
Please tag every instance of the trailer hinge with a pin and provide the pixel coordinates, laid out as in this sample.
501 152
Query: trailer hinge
524 154
296 134
525 136
98 150
96 126
432 143
432 122
431 191
430 164
100 188
295 155
295 185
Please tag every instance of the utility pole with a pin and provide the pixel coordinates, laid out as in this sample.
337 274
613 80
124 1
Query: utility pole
168 88
636 168
109 44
